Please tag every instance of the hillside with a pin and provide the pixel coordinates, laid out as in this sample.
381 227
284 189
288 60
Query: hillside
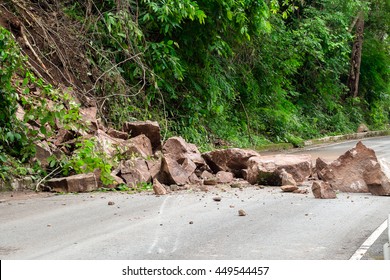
218 73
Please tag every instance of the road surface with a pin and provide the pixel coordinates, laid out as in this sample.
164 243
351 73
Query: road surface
191 225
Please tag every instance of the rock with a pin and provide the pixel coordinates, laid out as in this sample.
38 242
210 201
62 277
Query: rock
232 160
76 183
106 143
110 203
173 172
320 165
206 175
89 116
265 170
239 184
301 191
117 134
139 146
346 173
217 198
287 178
135 171
377 178
362 128
154 166
20 113
210 181
289 188
43 151
158 188
323 190
241 212
62 136
193 179
117 181
148 128
178 149
224 177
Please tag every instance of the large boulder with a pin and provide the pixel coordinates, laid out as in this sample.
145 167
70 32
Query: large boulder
76 183
346 173
148 128
323 190
232 160
176 172
266 170
139 146
178 149
377 178
135 171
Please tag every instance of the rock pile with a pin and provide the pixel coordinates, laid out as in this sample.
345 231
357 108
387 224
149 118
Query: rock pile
175 164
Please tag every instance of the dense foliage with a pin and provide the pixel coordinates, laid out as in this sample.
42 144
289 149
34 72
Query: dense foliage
244 71
247 71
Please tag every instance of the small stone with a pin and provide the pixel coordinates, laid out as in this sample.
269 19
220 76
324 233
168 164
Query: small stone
111 203
217 198
191 222
241 212
211 181
289 188
231 206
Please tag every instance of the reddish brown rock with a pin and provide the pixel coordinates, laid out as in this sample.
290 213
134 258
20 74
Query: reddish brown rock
301 191
135 171
377 178
323 190
139 146
62 136
178 149
148 128
174 172
206 175
320 164
210 181
43 151
118 134
346 173
265 170
224 177
158 188
232 160
154 166
287 178
289 188
106 143
76 183
89 116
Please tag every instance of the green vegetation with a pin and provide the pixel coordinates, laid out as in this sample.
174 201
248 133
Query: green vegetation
247 72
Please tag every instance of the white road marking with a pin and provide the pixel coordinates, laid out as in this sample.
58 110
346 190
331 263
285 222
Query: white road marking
157 237
368 243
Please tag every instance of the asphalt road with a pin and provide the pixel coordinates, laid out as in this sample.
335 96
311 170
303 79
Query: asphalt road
191 225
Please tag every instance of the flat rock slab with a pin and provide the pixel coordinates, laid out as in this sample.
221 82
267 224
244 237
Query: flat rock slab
266 170
76 183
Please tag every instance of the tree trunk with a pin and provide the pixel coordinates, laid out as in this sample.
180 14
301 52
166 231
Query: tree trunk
356 59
